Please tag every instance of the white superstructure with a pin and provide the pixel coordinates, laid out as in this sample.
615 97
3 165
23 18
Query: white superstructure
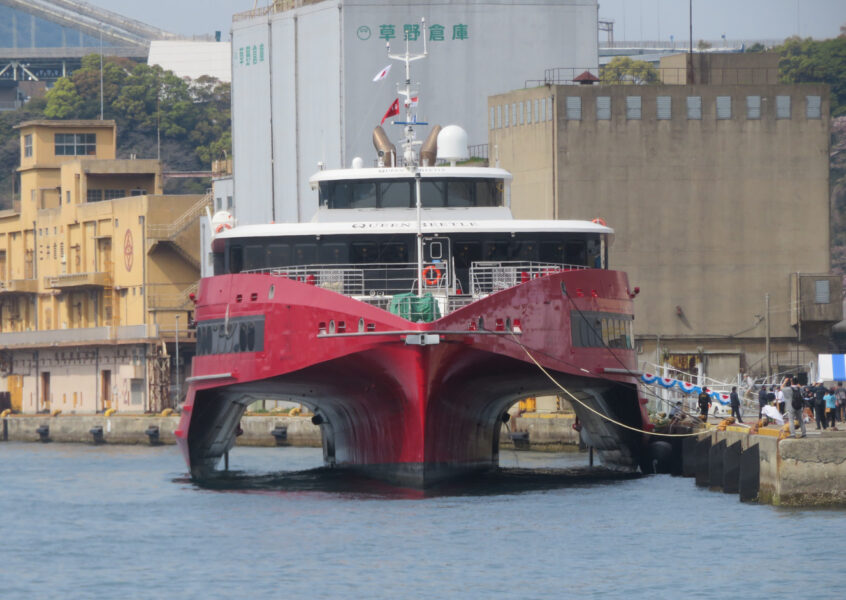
303 90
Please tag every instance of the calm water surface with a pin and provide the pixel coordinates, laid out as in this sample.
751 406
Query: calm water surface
124 522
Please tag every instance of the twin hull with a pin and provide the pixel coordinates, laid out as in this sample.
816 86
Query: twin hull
410 413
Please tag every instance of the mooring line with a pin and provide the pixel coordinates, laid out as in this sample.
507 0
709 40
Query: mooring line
593 410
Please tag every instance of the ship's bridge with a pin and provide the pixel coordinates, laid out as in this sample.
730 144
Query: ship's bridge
395 187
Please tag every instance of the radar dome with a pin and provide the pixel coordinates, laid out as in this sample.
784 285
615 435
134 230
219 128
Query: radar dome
357 162
452 144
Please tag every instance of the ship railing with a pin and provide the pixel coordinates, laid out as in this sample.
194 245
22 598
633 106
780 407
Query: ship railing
487 277
378 283
373 282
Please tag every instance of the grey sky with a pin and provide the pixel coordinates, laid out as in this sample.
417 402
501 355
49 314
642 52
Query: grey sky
634 20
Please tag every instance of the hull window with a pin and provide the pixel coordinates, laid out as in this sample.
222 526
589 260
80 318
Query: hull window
598 330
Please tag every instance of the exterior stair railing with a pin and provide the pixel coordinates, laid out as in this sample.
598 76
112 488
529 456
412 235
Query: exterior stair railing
171 230
172 301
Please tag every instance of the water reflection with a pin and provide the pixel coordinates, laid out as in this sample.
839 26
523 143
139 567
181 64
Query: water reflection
502 481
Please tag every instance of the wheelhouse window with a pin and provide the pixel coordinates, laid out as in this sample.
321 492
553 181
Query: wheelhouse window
600 330
75 144
400 193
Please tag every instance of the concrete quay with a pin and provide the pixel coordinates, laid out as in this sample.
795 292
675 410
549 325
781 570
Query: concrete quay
541 431
150 429
762 468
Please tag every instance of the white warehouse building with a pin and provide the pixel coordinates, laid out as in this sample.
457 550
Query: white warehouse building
303 90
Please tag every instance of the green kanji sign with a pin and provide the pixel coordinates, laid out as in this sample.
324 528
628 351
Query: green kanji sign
411 32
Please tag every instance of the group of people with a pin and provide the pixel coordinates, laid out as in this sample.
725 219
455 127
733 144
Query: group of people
704 402
826 405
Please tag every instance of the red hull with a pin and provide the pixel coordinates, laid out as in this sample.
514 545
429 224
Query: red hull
412 414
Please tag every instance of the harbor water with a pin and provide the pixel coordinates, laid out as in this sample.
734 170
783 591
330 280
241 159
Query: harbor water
125 522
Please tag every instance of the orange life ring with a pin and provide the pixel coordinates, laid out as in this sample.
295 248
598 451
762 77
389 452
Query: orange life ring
431 280
221 227
599 221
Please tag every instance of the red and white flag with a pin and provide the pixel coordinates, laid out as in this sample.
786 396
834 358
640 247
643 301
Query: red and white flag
382 74
392 110
411 101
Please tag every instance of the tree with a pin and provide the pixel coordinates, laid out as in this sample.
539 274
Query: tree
624 70
63 101
810 61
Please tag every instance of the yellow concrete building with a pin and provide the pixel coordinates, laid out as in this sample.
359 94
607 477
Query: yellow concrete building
96 268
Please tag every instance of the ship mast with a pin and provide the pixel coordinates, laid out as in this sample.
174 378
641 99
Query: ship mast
410 155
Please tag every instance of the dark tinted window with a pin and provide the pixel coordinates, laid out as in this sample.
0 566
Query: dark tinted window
254 257
333 254
466 253
305 254
553 252
393 252
396 194
460 193
236 259
488 193
278 255
432 193
575 253
364 252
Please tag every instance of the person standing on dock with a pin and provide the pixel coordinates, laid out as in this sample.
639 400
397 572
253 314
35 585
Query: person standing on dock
779 394
841 402
819 392
762 399
831 408
735 404
704 404
790 391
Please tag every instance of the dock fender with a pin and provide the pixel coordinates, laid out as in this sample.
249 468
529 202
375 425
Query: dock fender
659 457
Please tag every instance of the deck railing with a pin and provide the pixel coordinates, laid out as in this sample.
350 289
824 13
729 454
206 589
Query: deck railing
487 277
378 283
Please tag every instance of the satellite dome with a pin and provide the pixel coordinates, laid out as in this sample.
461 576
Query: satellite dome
452 144
357 162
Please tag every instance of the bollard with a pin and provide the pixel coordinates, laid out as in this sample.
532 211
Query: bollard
43 432
152 433
280 433
520 439
97 434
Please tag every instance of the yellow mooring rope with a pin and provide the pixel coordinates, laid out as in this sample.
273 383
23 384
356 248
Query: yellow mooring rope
591 409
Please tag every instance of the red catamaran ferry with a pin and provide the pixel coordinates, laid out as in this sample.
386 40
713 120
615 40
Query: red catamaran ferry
409 315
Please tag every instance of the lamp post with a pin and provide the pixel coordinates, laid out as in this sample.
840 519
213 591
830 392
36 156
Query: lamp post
177 359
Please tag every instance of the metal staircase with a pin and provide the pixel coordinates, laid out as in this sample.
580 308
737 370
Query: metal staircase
171 233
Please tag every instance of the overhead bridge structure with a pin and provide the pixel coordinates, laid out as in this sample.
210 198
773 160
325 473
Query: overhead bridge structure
42 40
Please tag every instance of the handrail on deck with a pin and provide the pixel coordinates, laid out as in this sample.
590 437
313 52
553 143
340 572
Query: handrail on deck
377 283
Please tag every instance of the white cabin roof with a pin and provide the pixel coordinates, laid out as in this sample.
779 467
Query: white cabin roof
428 226
402 172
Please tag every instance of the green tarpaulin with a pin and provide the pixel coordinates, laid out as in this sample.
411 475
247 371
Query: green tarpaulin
415 308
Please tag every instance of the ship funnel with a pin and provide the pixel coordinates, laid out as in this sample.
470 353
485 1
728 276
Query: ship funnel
452 144
429 149
387 151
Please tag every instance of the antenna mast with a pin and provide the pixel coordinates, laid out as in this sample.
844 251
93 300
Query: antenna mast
410 156
407 91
